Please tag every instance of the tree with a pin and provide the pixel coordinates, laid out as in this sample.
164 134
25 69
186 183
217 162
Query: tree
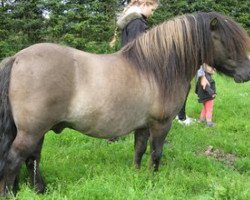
84 25
89 24
21 25
239 10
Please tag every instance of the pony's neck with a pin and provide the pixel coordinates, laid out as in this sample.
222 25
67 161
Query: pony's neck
171 52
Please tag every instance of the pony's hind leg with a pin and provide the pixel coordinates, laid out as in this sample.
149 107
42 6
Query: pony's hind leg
32 164
23 145
141 139
158 133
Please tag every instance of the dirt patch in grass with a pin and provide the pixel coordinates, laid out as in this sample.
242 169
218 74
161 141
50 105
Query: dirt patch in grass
220 155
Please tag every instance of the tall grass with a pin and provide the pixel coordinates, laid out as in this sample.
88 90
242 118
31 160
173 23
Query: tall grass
79 167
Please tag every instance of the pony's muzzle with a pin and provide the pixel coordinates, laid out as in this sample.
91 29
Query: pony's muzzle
242 72
238 79
244 77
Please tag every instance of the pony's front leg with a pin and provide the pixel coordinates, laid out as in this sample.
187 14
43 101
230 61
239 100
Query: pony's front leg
32 164
141 139
158 133
21 147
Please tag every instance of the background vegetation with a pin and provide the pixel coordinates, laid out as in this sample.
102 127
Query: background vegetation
198 162
89 24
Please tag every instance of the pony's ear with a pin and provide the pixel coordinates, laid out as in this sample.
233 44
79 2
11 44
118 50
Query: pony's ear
214 24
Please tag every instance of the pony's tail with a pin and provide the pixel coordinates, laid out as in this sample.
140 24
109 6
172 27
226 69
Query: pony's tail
7 126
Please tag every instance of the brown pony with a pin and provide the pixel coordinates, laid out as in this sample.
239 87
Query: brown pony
141 87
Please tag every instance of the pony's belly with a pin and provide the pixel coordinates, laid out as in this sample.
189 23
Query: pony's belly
105 118
102 133
108 127
105 134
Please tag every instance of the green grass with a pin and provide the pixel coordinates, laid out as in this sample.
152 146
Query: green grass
79 167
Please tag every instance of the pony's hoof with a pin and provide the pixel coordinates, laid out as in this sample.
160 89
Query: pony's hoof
40 188
137 166
3 191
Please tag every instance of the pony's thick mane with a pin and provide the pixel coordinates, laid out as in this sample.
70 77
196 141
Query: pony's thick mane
176 48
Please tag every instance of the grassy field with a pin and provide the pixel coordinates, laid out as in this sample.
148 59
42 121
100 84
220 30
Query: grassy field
79 167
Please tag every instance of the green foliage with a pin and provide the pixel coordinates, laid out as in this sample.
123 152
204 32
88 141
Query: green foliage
89 25
238 10
21 25
85 25
81 23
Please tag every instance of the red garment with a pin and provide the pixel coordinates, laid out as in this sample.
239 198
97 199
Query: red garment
207 110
